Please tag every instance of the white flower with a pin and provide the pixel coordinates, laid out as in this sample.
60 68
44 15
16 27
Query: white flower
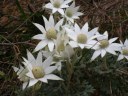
62 51
123 51
104 45
58 5
71 13
81 37
49 33
21 72
38 70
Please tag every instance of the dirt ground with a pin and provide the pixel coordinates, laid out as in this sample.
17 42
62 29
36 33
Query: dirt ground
110 15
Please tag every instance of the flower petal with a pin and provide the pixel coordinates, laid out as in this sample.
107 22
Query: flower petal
39 59
73 44
24 85
40 27
95 54
39 37
32 82
85 28
44 80
51 45
47 62
50 69
103 52
31 58
113 39
120 57
61 11
52 77
41 45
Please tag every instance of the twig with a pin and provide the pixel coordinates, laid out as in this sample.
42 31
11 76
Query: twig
17 43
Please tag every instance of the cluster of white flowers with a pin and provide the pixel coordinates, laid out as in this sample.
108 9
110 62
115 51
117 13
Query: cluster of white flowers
59 40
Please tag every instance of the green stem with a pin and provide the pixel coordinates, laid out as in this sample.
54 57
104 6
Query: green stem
70 71
104 64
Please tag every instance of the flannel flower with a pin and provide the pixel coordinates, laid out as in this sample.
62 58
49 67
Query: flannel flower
82 37
62 51
38 70
58 5
72 13
123 50
49 33
104 45
21 72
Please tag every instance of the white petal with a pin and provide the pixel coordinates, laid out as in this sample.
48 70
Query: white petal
51 45
39 59
50 69
69 31
64 6
113 39
24 85
77 28
47 62
111 51
81 46
15 68
40 27
51 20
93 31
73 36
120 57
126 42
44 79
31 58
67 1
95 55
61 11
39 37
47 24
103 52
59 66
32 82
54 10
73 44
85 28
41 45
57 26
53 77
27 64
49 5
115 46
30 74
126 57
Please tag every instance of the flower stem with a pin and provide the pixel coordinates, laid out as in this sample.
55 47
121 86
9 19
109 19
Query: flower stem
104 64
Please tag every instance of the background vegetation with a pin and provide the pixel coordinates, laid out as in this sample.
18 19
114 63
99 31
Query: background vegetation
88 79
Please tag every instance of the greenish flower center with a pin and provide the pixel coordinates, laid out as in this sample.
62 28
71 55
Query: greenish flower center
81 38
104 43
61 47
38 72
56 4
125 51
51 33
69 13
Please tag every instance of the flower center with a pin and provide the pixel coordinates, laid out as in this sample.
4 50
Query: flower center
104 43
38 72
51 33
69 13
56 4
125 51
60 47
81 38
